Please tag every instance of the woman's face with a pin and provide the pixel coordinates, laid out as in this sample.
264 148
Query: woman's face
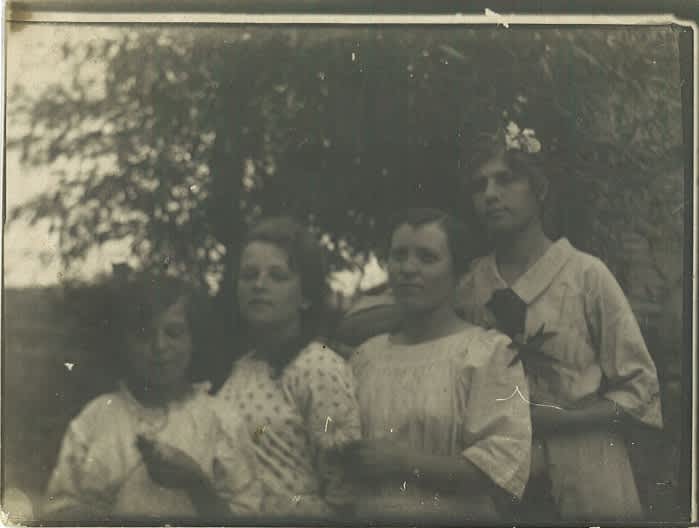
420 267
504 201
160 356
269 291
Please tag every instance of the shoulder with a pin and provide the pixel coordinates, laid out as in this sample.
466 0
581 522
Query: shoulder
317 358
486 338
317 353
592 274
101 415
581 262
475 271
369 348
480 347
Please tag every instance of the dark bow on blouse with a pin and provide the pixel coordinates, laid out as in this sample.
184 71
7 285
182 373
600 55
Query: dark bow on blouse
510 314
509 310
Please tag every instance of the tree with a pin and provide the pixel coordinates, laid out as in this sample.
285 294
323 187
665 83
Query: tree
194 131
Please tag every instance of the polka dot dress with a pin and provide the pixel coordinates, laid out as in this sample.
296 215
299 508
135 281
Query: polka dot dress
293 421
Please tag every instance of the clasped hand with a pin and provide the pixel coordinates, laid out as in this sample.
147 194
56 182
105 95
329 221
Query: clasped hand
375 457
169 466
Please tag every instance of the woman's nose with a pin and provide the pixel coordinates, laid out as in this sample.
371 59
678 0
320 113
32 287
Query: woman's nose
259 282
491 189
160 344
408 266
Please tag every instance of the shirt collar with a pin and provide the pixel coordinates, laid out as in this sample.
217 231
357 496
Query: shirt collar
540 275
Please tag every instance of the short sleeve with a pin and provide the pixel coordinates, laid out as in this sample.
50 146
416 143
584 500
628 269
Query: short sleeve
631 376
327 397
75 490
234 471
331 411
496 419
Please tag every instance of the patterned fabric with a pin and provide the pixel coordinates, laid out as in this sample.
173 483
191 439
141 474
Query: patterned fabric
100 473
454 396
596 350
297 421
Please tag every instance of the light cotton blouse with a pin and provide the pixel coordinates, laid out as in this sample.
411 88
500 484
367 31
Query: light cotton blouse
455 396
296 421
100 470
597 350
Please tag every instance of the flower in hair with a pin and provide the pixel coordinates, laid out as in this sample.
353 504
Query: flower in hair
522 140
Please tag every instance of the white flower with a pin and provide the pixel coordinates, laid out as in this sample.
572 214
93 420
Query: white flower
512 143
522 140
512 129
532 145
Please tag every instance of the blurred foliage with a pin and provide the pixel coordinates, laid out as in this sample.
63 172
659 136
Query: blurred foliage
196 130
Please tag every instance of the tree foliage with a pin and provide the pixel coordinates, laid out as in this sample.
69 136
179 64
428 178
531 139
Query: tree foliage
193 131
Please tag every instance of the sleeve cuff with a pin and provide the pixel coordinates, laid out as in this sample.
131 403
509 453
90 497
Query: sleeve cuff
647 413
510 477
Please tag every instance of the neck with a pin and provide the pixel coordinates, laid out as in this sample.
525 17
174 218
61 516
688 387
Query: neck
155 396
269 338
518 251
425 326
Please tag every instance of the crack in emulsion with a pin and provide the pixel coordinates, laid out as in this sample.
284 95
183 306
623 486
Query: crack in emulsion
518 392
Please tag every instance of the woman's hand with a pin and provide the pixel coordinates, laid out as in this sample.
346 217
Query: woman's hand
169 466
380 457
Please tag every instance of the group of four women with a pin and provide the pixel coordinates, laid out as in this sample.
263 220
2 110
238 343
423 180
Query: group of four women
502 393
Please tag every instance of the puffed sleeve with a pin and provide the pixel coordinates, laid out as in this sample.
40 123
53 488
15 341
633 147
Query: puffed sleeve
472 293
324 387
631 376
497 427
76 490
235 472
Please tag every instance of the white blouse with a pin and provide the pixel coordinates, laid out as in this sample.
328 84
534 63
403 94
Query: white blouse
596 350
454 396
100 471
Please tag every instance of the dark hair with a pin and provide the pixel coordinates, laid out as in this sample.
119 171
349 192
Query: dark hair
460 240
306 258
141 296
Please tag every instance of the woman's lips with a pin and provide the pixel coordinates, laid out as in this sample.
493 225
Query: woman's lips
260 302
495 213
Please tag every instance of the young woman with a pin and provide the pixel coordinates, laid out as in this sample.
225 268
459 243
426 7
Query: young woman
588 367
295 393
155 448
444 414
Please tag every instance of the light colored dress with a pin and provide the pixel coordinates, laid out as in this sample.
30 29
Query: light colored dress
100 470
296 421
597 350
455 396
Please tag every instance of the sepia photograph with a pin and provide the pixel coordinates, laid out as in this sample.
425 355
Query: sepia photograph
271 270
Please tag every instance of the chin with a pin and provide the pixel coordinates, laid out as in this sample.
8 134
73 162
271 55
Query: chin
501 229
412 307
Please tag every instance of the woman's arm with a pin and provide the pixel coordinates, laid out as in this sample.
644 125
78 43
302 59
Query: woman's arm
628 368
381 458
599 413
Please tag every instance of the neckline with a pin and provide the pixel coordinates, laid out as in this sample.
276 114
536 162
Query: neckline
468 328
539 275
